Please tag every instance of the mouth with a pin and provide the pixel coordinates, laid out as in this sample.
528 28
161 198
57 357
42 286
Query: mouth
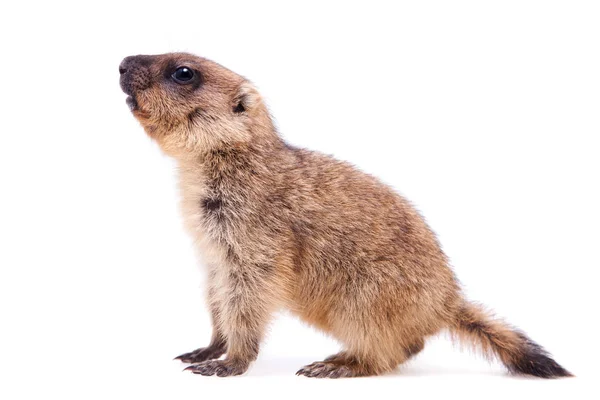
132 103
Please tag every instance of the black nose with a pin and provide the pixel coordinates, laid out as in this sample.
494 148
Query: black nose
135 61
135 74
126 64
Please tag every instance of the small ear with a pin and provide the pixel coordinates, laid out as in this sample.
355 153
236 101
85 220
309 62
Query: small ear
247 99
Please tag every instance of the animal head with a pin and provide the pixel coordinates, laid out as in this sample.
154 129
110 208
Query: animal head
189 104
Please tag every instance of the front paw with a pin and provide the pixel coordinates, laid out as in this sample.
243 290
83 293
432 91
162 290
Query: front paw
219 367
202 354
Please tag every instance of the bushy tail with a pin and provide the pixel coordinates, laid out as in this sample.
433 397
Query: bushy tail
521 355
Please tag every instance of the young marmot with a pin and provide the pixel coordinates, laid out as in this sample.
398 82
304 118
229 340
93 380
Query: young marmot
283 227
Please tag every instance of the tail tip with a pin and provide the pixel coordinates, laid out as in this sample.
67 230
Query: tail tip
539 364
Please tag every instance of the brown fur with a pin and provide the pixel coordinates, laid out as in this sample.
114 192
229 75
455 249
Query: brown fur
281 227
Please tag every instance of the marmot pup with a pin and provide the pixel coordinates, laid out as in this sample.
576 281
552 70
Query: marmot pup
283 227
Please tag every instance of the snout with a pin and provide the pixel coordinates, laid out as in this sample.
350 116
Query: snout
135 77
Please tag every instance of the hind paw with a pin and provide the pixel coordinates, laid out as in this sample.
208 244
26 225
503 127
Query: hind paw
322 369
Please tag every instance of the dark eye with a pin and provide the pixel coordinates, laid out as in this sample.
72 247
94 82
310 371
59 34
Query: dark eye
183 75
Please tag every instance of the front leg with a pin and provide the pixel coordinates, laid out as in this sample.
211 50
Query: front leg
218 343
246 306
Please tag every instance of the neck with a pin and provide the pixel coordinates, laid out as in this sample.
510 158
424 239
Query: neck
227 156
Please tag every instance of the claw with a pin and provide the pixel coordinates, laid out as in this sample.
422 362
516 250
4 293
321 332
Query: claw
200 355
184 356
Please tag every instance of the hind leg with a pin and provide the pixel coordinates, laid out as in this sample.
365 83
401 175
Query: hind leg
341 365
345 365
337 357
415 348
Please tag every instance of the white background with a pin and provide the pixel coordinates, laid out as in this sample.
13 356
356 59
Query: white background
484 114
